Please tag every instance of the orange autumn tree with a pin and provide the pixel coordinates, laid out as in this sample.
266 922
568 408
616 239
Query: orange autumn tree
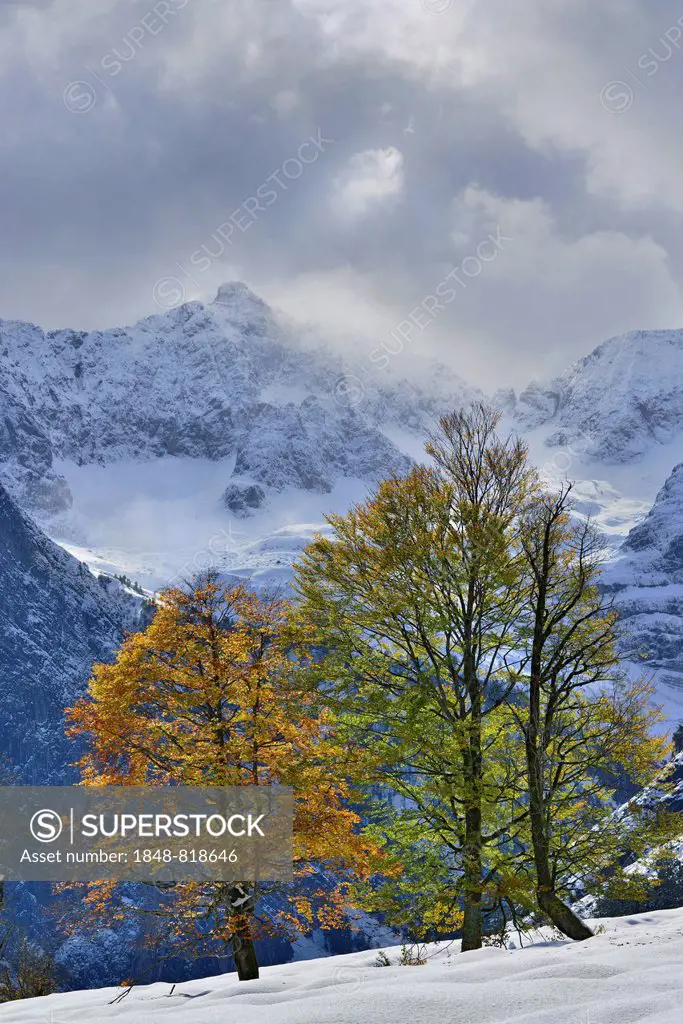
208 695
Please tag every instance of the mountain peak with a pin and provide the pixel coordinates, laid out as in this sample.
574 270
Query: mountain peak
234 292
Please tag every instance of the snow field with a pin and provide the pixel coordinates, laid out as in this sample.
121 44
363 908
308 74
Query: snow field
630 972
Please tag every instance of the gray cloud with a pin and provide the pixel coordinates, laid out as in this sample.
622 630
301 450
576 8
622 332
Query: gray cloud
133 131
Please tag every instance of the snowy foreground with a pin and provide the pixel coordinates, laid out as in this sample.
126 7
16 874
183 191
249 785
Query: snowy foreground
631 972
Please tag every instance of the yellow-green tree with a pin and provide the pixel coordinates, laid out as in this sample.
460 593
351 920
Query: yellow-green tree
472 660
416 596
208 695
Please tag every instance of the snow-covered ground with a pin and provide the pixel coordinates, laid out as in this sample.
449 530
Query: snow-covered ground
629 972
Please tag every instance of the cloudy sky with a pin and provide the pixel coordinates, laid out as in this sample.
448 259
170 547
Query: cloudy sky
519 161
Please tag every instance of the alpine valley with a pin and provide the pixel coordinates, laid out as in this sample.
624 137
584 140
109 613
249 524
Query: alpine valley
222 433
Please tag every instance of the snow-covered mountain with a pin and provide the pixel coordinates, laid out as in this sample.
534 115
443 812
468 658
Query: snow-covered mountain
57 619
646 576
613 423
225 402
221 434
617 403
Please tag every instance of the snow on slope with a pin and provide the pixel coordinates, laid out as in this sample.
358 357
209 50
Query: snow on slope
159 522
629 973
613 424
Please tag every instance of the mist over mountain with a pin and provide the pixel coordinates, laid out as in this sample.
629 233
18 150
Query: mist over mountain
223 381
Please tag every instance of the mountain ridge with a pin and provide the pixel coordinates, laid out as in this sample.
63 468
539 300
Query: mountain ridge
212 381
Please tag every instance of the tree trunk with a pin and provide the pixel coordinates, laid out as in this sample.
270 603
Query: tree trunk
549 902
472 847
244 953
472 927
562 916
241 900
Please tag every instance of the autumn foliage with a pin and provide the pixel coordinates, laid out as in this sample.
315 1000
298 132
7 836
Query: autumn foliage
208 695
